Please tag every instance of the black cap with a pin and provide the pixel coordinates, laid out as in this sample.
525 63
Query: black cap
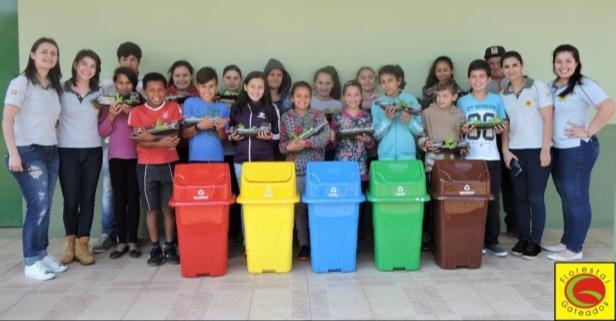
494 51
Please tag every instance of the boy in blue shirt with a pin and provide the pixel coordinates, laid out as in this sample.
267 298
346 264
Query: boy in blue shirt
206 135
480 106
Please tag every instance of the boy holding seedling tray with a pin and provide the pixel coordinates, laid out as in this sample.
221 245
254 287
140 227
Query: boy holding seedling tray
484 113
205 120
442 120
155 127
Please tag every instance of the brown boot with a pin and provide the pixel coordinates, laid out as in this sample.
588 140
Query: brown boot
69 253
82 251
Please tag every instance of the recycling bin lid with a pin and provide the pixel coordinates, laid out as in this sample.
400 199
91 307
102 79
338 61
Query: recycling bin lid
268 183
453 179
333 182
196 184
268 172
397 181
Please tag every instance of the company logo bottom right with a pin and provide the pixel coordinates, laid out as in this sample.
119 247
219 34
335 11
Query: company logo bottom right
584 291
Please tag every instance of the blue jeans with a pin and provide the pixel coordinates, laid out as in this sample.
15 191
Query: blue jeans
108 221
37 183
528 191
571 175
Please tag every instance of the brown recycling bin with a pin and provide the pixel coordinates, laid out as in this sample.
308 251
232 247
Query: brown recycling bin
460 191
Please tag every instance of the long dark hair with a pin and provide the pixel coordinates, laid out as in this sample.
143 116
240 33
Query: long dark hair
394 70
129 73
93 83
576 78
179 63
431 80
54 75
333 73
243 99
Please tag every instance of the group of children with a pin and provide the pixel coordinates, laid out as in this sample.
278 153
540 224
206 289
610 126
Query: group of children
282 112
297 122
281 130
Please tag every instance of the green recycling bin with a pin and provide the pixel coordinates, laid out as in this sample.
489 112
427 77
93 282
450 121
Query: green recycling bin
397 193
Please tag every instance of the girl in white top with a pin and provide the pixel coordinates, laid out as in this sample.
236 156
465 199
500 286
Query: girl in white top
31 110
576 148
529 108
81 155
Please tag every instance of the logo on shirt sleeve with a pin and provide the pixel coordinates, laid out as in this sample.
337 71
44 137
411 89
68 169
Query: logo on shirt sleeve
14 92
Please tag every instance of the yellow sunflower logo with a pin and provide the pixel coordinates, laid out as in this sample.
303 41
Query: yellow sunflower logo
528 103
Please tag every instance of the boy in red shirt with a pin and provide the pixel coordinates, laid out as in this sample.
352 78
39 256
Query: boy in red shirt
156 155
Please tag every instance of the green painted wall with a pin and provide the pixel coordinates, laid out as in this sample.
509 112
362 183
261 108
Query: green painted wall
306 35
10 196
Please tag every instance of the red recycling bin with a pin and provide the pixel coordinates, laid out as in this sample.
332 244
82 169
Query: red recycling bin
201 197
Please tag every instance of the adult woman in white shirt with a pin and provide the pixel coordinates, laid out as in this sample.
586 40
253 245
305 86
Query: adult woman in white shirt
576 148
31 110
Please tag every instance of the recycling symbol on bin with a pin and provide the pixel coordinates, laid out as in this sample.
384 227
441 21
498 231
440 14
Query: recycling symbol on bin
268 192
400 191
333 192
467 190
200 195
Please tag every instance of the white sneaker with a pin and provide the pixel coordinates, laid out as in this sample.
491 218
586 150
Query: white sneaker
554 247
39 271
565 255
53 264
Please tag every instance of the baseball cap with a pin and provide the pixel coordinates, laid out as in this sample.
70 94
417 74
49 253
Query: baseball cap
494 51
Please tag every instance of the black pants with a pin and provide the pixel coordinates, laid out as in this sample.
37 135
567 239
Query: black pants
365 215
123 173
235 210
182 150
428 219
508 193
79 172
493 220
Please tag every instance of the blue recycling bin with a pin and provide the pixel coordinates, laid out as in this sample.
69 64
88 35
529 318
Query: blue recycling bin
333 193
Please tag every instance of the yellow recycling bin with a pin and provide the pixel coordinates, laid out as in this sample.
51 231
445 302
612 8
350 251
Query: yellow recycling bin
268 195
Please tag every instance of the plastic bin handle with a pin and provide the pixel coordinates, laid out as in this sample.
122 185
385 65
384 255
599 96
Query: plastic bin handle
174 203
406 199
291 200
439 197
